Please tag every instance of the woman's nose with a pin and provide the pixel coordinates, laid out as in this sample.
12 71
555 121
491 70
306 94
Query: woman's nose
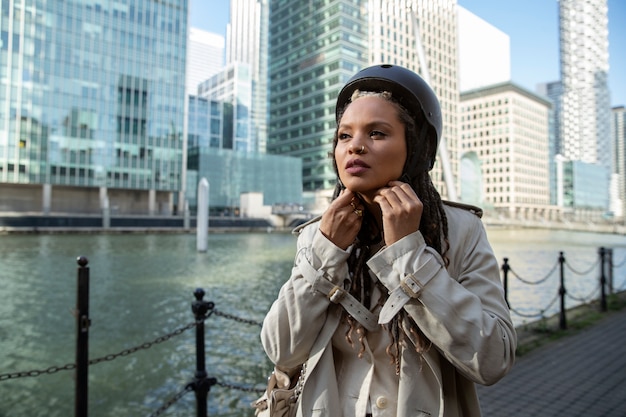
357 149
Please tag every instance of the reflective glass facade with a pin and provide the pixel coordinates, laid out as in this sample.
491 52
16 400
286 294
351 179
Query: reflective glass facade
315 47
231 173
92 93
233 87
580 185
208 127
618 133
553 91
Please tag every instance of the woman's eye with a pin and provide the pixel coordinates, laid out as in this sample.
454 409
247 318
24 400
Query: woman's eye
377 133
343 136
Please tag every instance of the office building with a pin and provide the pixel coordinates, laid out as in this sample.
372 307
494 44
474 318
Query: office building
208 126
504 137
218 139
228 125
618 134
247 43
205 57
316 46
233 86
92 111
578 196
554 92
231 174
586 109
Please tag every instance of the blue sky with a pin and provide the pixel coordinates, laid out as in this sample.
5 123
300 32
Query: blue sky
532 26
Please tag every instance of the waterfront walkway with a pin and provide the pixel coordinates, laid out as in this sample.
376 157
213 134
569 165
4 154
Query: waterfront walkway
583 374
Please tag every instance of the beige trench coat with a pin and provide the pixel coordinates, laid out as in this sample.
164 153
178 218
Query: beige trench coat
460 309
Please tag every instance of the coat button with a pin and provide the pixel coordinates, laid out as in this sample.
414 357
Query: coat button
381 402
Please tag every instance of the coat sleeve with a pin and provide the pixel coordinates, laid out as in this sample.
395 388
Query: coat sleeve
465 315
297 316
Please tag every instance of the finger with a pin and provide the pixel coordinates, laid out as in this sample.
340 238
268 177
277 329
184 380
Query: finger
383 203
402 188
391 196
344 198
402 196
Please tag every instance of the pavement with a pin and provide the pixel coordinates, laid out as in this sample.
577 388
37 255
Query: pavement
582 374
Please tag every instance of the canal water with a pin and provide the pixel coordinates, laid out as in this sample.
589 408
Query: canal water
142 289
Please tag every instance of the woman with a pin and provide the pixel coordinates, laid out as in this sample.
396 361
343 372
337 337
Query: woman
394 301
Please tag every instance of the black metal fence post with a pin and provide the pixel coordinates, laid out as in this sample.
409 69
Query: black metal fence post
562 292
603 306
82 339
505 279
609 253
201 384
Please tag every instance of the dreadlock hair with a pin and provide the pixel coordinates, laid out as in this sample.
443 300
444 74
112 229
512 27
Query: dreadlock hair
433 226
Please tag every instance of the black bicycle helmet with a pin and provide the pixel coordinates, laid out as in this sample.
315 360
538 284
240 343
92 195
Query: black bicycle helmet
406 87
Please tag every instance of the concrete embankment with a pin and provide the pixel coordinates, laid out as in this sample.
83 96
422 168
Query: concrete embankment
593 227
77 223
71 223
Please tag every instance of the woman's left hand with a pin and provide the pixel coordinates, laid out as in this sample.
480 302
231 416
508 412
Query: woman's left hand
401 209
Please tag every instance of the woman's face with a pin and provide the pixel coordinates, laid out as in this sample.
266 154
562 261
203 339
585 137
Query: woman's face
371 147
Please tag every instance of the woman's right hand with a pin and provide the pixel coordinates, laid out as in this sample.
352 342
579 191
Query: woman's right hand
342 220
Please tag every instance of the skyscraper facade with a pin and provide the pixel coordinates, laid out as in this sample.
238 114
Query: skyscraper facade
554 92
586 108
233 87
316 46
92 104
247 43
205 57
618 133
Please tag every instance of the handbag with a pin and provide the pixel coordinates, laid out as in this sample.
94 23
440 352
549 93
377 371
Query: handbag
281 396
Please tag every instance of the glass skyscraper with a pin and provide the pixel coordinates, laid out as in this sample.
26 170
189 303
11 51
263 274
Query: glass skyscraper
316 46
618 134
586 107
92 102
247 44
553 91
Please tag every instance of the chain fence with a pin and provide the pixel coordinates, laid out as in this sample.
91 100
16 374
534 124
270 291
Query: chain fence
203 310
602 264
204 384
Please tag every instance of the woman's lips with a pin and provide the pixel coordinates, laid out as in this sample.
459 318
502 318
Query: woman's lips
356 166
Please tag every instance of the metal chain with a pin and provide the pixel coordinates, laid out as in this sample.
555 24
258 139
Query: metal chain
173 400
540 314
584 300
125 352
110 357
238 319
585 272
146 345
535 282
50 370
